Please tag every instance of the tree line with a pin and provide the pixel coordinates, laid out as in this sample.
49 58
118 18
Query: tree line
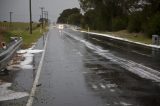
113 15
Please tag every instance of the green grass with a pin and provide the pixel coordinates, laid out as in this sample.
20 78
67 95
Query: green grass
21 29
28 39
16 25
137 37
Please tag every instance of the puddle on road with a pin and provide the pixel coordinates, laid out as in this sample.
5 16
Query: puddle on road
16 85
117 86
136 68
26 59
113 83
22 61
118 81
7 94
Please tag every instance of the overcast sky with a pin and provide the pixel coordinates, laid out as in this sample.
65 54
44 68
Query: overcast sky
21 8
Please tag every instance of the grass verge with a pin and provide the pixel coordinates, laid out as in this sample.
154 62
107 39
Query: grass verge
136 37
21 30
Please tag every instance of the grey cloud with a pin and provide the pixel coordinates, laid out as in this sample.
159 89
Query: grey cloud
21 8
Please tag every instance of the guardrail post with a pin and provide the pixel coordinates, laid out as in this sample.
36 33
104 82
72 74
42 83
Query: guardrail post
155 40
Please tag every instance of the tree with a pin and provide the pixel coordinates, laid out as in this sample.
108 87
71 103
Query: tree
71 16
43 19
136 15
75 19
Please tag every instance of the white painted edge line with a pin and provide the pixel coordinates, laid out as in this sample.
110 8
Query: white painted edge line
34 87
123 39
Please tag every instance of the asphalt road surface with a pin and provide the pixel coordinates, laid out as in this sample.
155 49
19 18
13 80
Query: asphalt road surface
84 70
79 71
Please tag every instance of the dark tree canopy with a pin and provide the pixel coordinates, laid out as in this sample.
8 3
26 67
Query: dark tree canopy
70 16
113 15
134 15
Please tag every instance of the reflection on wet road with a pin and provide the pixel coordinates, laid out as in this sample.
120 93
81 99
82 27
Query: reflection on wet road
19 81
80 72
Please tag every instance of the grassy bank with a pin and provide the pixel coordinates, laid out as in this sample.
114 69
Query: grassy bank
136 37
22 29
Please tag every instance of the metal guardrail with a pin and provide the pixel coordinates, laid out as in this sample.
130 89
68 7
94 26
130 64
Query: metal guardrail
7 53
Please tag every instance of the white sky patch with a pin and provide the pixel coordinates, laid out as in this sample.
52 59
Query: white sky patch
6 94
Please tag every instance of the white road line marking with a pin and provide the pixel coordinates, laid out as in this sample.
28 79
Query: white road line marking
33 90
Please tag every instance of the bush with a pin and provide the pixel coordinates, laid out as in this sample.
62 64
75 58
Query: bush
119 24
38 25
134 24
153 26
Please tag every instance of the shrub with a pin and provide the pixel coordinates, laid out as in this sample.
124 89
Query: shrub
153 26
38 25
119 24
134 24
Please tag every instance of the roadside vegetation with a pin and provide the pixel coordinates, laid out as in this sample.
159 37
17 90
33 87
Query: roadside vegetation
136 37
70 16
140 17
19 29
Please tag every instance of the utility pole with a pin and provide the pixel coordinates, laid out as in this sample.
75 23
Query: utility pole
40 16
46 16
30 10
42 8
10 15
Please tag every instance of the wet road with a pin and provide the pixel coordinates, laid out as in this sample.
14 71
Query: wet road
21 80
79 71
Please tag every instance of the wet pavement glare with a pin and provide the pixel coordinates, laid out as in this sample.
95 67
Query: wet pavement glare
75 75
85 70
